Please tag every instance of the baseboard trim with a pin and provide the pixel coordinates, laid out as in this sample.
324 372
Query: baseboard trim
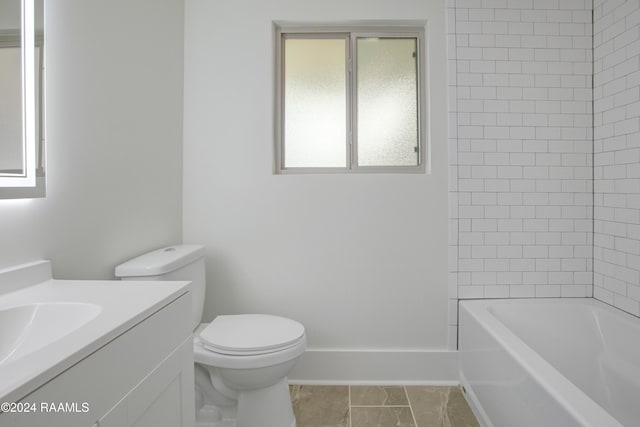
379 367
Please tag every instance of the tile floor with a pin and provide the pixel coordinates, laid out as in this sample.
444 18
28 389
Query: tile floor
380 406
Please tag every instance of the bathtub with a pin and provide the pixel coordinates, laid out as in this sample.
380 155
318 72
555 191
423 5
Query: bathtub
550 363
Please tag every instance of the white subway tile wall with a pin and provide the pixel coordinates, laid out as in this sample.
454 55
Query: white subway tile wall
452 76
616 47
521 148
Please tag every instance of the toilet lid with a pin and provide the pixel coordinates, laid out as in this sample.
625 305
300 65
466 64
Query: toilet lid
250 333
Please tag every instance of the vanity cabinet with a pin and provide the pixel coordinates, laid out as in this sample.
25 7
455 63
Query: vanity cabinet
142 378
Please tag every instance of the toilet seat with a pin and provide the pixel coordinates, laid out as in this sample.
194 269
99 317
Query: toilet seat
206 356
251 334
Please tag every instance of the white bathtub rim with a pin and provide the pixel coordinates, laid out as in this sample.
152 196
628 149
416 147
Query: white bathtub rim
575 401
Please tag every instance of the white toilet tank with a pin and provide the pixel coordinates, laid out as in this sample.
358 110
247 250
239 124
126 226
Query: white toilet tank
180 262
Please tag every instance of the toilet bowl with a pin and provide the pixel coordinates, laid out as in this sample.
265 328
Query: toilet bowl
241 361
241 366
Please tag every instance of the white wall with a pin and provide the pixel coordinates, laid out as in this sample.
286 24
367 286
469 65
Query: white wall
359 259
616 46
521 148
114 129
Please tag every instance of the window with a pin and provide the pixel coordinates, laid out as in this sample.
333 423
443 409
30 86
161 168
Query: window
350 101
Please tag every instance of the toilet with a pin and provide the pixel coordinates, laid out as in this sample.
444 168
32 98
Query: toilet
241 360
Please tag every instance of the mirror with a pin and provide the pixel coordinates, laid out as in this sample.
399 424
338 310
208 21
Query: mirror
21 94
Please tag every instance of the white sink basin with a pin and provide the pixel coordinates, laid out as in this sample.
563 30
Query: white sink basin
27 328
47 325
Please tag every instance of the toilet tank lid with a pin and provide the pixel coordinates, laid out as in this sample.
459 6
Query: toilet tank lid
160 261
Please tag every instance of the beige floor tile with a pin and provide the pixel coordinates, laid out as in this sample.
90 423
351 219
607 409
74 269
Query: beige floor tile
460 414
321 406
440 407
428 404
379 416
378 396
328 406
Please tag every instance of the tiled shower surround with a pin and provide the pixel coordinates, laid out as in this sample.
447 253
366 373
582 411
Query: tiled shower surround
616 47
521 110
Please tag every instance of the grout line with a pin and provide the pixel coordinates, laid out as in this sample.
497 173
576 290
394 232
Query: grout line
415 423
349 388
593 150
380 406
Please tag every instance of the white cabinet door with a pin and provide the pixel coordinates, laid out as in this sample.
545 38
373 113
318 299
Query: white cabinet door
162 398
144 377
116 417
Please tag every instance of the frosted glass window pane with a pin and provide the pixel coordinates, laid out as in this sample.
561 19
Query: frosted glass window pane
387 102
315 90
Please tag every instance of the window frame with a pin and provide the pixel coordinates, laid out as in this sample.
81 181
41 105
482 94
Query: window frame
351 33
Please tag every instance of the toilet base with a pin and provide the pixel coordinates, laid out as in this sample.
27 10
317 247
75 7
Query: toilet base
210 416
266 407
